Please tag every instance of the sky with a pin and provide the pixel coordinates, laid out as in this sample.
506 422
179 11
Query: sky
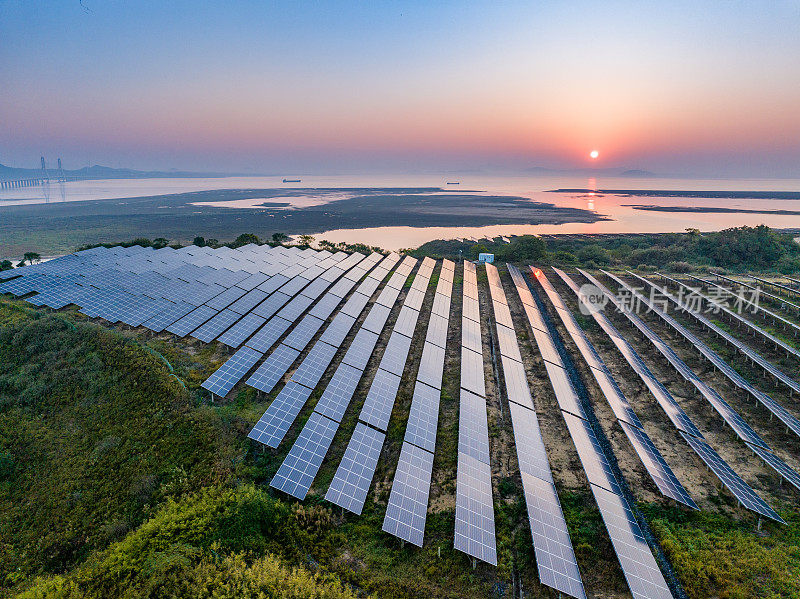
698 87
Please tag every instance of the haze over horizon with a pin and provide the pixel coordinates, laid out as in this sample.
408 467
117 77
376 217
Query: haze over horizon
702 88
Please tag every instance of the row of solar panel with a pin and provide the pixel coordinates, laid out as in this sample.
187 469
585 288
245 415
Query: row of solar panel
474 532
740 489
353 477
555 557
781 301
639 567
407 508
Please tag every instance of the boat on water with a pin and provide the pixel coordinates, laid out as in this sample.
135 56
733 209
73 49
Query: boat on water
454 182
291 180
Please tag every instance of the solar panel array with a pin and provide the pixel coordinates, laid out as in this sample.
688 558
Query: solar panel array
290 305
731 417
474 529
784 303
407 509
779 286
741 490
641 571
651 458
745 304
281 413
297 471
353 477
740 346
555 557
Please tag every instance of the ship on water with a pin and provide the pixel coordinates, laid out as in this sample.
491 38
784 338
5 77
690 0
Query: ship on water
291 180
454 182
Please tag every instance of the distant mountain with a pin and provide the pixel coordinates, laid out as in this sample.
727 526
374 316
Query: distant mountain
106 172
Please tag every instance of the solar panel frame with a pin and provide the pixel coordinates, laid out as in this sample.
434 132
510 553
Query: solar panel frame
431 365
268 335
339 392
298 470
423 418
407 509
314 365
276 421
474 526
377 408
273 369
350 484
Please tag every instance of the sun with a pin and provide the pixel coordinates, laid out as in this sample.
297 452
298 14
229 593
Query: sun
594 154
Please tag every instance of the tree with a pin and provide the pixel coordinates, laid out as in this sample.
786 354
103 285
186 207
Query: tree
594 253
525 247
30 258
199 241
212 243
160 242
280 237
307 240
6 265
244 239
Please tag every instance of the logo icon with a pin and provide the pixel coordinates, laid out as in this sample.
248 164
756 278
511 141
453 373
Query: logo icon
592 299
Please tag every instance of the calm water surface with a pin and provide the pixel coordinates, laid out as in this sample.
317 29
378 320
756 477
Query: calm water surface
622 218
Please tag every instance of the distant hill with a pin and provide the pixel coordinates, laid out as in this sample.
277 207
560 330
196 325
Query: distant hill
106 172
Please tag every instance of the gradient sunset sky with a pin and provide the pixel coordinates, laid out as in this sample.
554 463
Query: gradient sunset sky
688 87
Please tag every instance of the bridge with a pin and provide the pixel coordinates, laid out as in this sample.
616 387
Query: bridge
43 178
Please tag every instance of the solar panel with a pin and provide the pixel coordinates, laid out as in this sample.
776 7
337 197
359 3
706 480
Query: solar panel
301 465
294 286
740 489
565 393
355 304
248 301
269 334
360 350
316 288
338 329
778 465
659 471
271 305
271 371
339 392
216 326
325 306
253 281
470 309
424 417
474 527
414 299
273 283
377 408
239 332
473 430
295 308
396 354
441 305
273 425
165 318
350 484
507 339
191 321
341 288
397 280
472 372
406 321
471 335
388 297
314 365
226 298
230 373
376 319
368 286
437 331
408 500
555 558
516 383
638 564
431 365
304 332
